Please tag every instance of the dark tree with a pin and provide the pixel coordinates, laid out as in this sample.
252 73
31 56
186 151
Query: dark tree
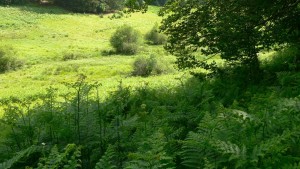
237 30
91 6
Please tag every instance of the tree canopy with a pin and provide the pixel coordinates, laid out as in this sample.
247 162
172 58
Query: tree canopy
234 29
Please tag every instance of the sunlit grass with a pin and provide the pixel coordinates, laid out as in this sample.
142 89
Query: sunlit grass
44 36
40 36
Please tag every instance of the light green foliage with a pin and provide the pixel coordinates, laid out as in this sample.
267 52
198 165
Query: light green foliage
126 40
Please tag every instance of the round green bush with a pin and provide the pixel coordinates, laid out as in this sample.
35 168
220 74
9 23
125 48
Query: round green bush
154 37
126 40
146 66
143 66
8 61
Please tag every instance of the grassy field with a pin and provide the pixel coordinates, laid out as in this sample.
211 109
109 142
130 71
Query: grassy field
44 36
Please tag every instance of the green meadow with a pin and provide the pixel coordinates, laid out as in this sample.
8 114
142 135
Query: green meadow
57 45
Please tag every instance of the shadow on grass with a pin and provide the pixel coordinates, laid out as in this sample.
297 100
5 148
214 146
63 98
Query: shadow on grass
113 52
108 52
43 9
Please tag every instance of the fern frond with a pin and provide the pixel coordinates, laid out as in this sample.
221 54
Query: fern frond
151 154
74 160
24 153
292 166
107 161
195 148
69 159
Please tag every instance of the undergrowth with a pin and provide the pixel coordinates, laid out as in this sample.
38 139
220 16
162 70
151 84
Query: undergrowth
206 124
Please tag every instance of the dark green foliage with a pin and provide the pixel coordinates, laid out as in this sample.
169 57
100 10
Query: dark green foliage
69 159
284 60
281 65
236 30
159 2
23 155
87 6
154 37
125 40
289 83
80 5
8 61
151 154
107 161
216 123
239 140
91 6
110 5
9 2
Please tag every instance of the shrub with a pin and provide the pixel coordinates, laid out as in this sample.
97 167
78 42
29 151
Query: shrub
91 6
125 40
8 61
154 37
145 66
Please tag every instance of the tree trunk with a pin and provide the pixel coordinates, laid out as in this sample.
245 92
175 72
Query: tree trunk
253 66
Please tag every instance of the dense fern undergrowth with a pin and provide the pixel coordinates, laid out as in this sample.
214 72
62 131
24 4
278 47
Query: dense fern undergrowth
224 122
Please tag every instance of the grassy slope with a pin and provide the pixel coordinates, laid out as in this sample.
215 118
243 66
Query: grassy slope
41 36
